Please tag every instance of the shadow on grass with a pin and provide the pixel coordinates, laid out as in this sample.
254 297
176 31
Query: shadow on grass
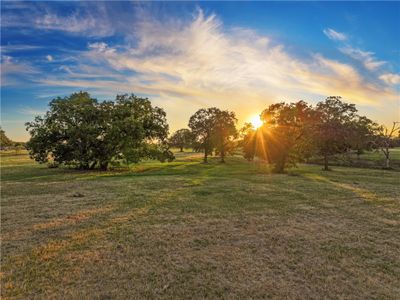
359 192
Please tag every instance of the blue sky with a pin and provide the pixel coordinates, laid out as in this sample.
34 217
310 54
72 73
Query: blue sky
240 56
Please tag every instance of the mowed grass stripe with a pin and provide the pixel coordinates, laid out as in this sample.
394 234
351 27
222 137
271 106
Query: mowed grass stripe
232 231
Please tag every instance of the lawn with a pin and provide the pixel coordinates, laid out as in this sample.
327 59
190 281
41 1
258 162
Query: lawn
191 230
369 159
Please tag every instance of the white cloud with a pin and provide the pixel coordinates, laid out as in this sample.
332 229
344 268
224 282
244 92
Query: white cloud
367 58
202 63
27 110
390 78
18 47
49 58
334 35
12 69
81 22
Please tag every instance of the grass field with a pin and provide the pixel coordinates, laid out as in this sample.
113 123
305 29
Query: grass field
191 230
369 159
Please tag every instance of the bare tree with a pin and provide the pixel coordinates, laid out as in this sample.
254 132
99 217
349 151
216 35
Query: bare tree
384 139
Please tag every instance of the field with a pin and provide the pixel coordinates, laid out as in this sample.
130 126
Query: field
370 159
191 230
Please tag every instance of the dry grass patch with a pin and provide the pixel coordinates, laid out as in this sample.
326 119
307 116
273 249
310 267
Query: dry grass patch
219 231
72 219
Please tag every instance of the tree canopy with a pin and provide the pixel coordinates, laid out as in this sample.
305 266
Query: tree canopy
333 130
82 132
213 129
79 131
283 136
224 133
182 138
293 132
4 140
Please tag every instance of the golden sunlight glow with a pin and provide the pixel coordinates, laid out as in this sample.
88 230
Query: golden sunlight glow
256 121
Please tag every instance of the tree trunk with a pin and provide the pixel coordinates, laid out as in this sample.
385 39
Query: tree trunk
103 166
279 169
181 149
223 155
387 154
205 156
326 166
280 166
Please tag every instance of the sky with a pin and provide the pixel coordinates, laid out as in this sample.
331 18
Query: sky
183 56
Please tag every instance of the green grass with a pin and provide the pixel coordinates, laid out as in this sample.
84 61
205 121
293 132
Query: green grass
369 159
187 229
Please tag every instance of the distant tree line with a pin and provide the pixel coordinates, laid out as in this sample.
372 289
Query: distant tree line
294 132
84 133
4 140
8 144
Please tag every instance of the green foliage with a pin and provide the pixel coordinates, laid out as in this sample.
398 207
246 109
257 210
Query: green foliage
80 131
213 129
333 132
224 133
182 138
294 132
4 140
286 131
248 141
201 124
283 138
362 134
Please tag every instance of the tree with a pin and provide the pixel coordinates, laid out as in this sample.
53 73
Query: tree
283 138
212 129
182 138
384 140
224 133
137 130
362 134
4 140
79 131
248 141
333 131
202 126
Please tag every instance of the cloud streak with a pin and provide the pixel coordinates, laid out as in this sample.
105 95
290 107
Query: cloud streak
390 78
85 20
365 57
204 61
185 64
14 71
334 35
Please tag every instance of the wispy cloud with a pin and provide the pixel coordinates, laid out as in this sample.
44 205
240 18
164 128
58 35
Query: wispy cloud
13 69
86 20
202 62
390 78
18 47
83 23
29 111
365 57
335 35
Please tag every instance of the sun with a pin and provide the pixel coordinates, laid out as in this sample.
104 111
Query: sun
256 121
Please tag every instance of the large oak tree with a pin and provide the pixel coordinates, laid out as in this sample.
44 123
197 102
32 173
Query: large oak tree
79 131
213 129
